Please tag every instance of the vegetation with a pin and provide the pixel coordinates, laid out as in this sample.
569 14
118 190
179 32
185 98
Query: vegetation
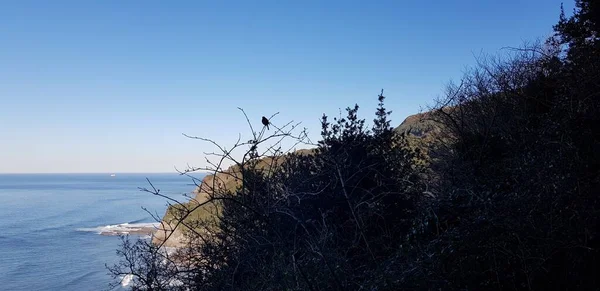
495 188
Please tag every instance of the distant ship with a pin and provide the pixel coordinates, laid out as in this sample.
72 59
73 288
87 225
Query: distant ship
112 175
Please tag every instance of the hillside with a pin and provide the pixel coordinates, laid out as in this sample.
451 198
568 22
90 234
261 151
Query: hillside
174 230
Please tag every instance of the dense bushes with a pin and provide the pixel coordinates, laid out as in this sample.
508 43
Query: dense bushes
317 221
506 196
521 185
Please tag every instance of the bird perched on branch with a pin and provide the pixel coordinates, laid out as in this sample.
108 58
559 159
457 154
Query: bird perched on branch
265 122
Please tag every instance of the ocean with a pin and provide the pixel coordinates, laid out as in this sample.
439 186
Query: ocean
50 225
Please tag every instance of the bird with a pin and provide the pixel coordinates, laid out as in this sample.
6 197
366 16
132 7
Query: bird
265 122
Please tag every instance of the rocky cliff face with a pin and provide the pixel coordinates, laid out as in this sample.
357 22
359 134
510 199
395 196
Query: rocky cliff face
172 229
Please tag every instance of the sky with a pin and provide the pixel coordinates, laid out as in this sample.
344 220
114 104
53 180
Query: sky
110 86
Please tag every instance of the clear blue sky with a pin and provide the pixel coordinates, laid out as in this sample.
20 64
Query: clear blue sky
109 86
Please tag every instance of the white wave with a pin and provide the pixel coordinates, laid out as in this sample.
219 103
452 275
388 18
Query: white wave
126 280
124 228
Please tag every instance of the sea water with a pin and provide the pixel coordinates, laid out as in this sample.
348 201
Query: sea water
50 225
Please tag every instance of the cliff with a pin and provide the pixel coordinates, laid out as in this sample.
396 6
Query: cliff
172 229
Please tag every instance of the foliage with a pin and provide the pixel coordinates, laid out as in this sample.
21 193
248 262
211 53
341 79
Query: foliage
519 204
317 221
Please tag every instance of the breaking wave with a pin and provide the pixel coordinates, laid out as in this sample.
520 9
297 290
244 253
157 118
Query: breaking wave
143 229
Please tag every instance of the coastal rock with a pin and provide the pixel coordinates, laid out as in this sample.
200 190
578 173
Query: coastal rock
172 230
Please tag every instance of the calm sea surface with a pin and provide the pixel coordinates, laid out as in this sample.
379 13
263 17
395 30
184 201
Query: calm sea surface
49 225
